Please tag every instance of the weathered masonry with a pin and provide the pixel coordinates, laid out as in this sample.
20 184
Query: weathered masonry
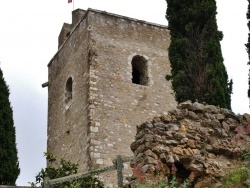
107 76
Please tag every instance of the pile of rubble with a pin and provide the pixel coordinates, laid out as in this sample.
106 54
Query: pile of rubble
195 138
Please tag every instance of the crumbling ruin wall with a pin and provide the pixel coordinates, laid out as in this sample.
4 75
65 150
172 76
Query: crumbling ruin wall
195 138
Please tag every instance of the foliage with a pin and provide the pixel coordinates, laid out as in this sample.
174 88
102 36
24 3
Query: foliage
236 178
65 168
9 165
248 44
198 72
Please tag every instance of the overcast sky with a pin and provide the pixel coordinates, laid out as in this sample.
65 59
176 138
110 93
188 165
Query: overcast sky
29 38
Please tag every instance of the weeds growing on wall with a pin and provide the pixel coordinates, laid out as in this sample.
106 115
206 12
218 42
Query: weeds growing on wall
158 178
239 177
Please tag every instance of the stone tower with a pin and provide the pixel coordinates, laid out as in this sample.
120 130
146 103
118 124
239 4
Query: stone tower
107 76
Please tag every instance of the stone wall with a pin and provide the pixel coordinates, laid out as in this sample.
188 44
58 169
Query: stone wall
117 104
99 121
68 119
195 138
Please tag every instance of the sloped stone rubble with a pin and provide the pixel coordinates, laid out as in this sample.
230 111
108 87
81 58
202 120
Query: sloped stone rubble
195 138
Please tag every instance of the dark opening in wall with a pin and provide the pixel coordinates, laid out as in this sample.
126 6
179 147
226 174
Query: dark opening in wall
68 88
139 70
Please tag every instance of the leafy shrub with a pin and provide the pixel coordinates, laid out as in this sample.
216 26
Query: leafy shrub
64 168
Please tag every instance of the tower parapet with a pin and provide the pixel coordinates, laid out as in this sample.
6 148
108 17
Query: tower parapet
77 15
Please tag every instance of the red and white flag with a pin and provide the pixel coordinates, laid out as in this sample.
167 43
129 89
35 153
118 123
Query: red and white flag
69 1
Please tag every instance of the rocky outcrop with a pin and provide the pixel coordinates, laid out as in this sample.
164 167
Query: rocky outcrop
196 138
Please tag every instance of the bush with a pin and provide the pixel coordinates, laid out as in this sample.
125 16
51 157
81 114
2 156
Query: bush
65 168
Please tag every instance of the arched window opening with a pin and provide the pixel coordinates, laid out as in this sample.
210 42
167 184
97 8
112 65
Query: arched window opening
68 88
139 70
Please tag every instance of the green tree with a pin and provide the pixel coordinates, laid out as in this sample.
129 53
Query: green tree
248 45
198 72
9 165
